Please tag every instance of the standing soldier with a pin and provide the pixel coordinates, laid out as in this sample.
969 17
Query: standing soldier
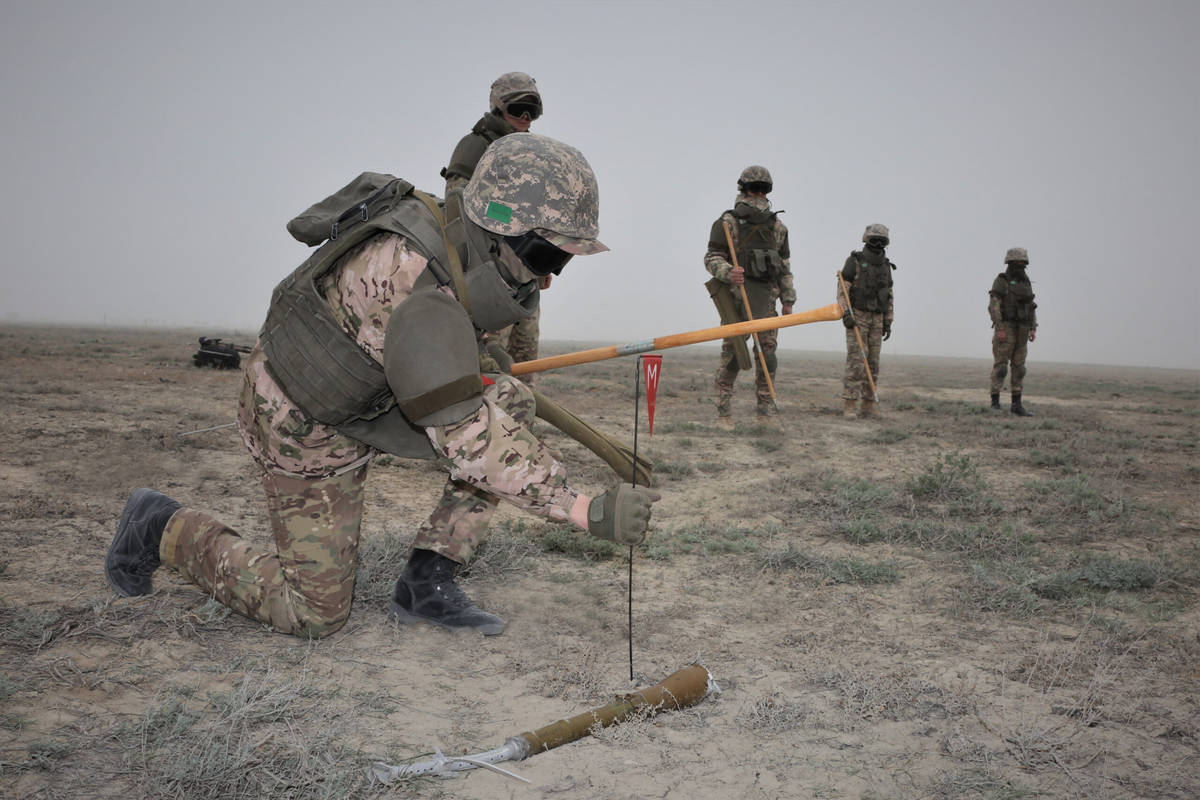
514 104
368 346
1014 318
868 278
760 241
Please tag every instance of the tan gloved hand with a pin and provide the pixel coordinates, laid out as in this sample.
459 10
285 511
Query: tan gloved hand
494 358
622 514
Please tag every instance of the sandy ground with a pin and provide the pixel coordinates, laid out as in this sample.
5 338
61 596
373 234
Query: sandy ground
939 603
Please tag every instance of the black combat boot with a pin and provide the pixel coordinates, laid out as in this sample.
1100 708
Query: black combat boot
996 402
133 555
1017 408
426 592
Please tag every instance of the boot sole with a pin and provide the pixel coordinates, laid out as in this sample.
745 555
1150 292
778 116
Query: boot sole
398 613
134 497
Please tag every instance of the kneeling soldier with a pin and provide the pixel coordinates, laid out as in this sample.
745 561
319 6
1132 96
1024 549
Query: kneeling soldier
371 345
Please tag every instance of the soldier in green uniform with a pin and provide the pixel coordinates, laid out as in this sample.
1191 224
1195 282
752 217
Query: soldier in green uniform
372 345
868 277
1014 323
514 103
764 270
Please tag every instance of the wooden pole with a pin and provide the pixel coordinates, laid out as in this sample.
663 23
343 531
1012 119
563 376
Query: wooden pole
828 313
762 359
862 351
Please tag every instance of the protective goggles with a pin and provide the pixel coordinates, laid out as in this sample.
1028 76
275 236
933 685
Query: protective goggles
758 187
537 254
524 108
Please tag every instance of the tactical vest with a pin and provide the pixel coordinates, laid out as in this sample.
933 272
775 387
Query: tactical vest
471 148
312 358
1016 299
758 255
872 283
757 252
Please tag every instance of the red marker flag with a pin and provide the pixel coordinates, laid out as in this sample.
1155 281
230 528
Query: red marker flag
651 367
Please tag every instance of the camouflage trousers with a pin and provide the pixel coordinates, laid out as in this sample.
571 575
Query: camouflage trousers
305 583
1011 350
305 586
727 371
520 341
854 381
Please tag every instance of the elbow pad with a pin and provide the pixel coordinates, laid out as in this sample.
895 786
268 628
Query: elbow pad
431 359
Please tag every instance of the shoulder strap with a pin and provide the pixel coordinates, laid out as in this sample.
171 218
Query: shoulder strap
456 270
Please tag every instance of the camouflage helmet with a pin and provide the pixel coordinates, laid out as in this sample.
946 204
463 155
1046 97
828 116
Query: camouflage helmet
528 182
1016 254
511 85
876 230
755 174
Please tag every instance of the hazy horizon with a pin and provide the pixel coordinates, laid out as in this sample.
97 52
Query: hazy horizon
155 151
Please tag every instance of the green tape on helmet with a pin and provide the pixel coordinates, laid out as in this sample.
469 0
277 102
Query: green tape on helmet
499 212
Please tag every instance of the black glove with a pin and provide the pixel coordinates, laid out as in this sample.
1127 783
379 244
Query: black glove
848 319
622 514
887 331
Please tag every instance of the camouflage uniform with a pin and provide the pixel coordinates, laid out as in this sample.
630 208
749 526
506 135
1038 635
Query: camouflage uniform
520 340
872 318
719 263
313 475
1017 321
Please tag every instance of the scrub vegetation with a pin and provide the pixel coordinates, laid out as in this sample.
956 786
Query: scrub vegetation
941 603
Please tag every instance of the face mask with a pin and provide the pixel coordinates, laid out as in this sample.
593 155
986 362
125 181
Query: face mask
499 295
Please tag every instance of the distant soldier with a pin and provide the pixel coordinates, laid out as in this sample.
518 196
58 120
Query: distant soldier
514 104
1014 319
367 348
760 240
868 277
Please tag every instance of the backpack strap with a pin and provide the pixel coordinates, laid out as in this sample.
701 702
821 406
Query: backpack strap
456 270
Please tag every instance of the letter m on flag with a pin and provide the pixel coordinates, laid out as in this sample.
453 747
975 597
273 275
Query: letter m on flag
651 367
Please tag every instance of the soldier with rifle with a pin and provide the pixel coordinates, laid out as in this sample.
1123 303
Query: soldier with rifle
372 345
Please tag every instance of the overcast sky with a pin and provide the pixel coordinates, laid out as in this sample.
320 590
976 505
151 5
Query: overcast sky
153 152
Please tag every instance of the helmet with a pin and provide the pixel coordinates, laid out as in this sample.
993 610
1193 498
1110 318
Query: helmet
511 85
1016 254
876 230
755 174
528 182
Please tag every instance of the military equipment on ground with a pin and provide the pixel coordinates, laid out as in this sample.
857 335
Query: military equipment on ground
682 689
218 354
